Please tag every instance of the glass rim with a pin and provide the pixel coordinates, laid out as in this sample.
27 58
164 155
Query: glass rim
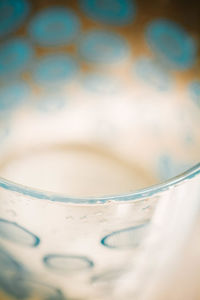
139 194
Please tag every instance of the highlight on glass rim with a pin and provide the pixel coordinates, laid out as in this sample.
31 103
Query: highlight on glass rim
99 150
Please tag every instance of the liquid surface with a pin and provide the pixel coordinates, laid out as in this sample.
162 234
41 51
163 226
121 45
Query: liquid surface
76 170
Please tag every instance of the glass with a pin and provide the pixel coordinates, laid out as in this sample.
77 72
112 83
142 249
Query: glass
99 112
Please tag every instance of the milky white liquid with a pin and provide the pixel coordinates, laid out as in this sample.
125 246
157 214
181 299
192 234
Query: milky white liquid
76 170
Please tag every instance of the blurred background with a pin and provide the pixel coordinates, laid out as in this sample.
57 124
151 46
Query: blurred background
117 69
120 75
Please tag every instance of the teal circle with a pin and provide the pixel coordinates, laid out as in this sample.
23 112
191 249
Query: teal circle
12 14
171 43
15 57
51 102
12 96
98 83
54 26
103 47
194 90
111 12
152 74
67 263
14 232
126 238
54 69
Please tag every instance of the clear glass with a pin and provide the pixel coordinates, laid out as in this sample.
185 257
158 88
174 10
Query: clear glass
99 118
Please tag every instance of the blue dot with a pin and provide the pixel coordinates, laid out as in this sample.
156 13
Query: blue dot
172 43
15 233
125 238
23 287
12 15
10 286
54 70
8 265
101 83
153 74
4 132
54 26
39 288
165 167
12 96
9 268
194 90
111 12
108 276
168 167
52 102
188 138
67 263
103 47
15 56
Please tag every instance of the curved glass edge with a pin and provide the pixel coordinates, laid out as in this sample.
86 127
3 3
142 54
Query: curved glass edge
137 195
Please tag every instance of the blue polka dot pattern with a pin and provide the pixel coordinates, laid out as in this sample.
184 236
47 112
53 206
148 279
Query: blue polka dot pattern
103 47
100 83
15 233
172 43
15 56
112 12
125 238
12 96
152 73
12 15
194 90
67 263
54 26
54 70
